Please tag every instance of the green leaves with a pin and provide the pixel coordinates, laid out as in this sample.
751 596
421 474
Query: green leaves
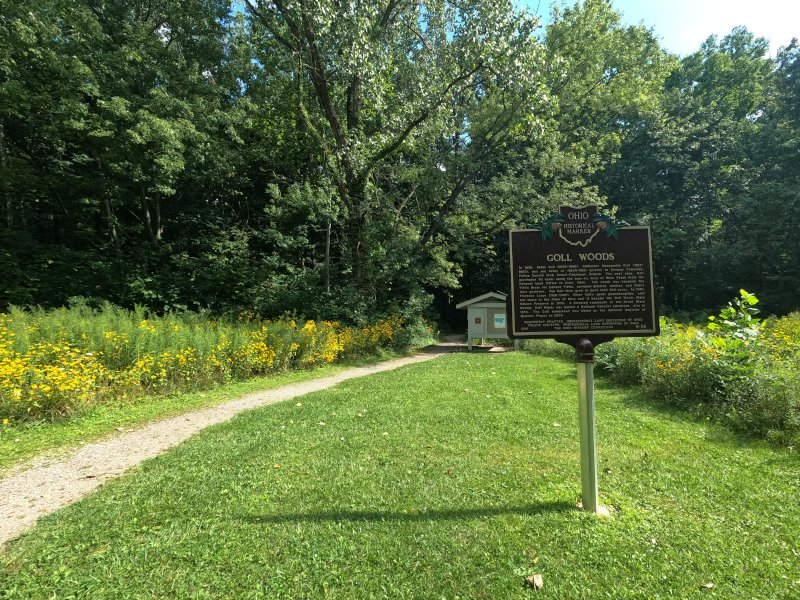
609 224
732 333
550 225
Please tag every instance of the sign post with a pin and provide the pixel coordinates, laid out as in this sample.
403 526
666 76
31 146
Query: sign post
585 362
582 278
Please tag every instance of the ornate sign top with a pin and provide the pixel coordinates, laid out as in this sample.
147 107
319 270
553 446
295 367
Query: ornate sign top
579 226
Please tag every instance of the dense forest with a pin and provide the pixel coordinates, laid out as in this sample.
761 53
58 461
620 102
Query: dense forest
350 159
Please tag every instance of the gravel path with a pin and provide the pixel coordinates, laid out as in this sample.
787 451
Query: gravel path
47 484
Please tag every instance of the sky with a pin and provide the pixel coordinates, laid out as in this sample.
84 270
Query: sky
682 25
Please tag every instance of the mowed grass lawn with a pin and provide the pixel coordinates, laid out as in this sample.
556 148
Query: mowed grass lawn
451 479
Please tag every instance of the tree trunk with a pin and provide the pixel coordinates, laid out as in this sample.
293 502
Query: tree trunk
328 258
112 228
356 226
355 234
158 228
148 224
353 104
4 186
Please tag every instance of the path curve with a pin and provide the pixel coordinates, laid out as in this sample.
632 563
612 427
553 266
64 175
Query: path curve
46 484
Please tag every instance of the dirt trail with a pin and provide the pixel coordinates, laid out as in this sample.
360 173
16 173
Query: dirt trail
44 485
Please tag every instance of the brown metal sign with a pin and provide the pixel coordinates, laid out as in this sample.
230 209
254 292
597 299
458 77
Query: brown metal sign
578 274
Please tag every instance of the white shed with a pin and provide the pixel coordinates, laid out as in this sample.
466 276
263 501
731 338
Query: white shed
486 317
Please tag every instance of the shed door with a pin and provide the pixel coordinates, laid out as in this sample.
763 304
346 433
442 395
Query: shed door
477 321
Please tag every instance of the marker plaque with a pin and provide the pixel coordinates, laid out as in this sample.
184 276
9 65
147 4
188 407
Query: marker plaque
581 274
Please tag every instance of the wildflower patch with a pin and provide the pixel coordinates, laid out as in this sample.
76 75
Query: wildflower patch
53 362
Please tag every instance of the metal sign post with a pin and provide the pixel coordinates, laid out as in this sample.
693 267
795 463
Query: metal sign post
585 362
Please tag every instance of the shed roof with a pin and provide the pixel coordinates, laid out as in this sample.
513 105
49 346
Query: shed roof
489 296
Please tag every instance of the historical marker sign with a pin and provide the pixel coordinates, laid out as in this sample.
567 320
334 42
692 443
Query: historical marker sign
582 278
581 274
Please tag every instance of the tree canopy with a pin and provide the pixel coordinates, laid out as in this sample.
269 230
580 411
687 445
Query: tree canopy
347 159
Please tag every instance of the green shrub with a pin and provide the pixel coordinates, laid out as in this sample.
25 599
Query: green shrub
766 403
415 334
622 359
547 348
679 369
736 367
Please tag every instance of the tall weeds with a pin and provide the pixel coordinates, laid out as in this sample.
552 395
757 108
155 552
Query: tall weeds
737 368
54 361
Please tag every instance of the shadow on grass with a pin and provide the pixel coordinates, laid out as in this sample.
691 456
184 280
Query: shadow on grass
425 515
